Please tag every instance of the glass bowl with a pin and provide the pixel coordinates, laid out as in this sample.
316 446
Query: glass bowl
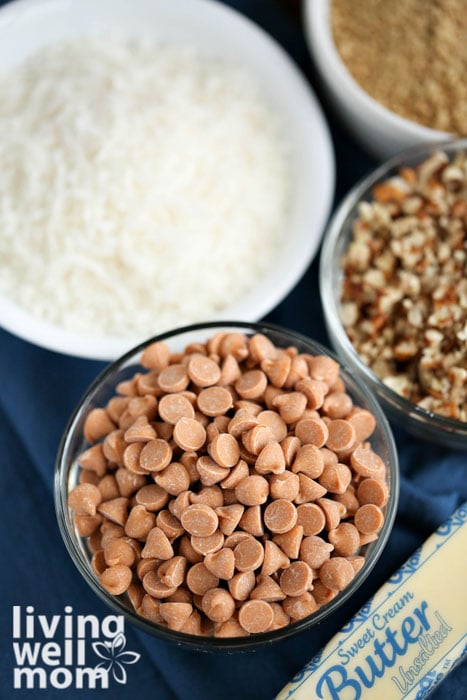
73 443
415 419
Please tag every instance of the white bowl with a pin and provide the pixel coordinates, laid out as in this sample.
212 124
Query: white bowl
382 132
28 25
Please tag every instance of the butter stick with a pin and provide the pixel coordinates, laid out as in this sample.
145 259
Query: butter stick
404 641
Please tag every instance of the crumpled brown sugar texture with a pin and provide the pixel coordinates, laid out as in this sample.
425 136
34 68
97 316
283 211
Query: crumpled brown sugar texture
409 55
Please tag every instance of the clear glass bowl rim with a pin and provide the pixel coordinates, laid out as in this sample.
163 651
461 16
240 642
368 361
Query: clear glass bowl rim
217 643
336 229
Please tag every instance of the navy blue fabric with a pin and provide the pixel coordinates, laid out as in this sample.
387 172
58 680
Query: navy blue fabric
38 391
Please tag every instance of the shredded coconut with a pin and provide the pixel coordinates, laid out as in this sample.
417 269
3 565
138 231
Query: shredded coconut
141 186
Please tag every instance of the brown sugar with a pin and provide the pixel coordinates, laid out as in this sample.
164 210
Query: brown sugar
409 55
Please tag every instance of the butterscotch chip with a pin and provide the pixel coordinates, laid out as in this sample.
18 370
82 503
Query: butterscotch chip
174 479
249 555
128 482
311 518
299 607
290 406
235 344
336 479
257 438
119 551
284 485
210 495
241 585
281 619
193 624
172 572
97 425
369 519
249 406
153 585
114 446
221 563
150 609
172 407
127 387
373 491
321 594
296 579
309 490
271 459
224 450
185 549
156 356
332 512
274 558
229 517
290 541
314 390
214 401
309 461
148 384
181 595
349 500
155 455
116 579
131 457
200 580
93 459
253 490
324 368
367 463
341 435
252 384
116 406
143 406
173 379
110 531
280 516
144 566
357 562
312 431
157 545
189 434
345 538
230 628
210 472
209 544
152 497
230 371
218 605
366 539
363 423
239 472
242 422
175 614
139 523
200 520
338 404
178 505
315 551
88 477
261 348
87 524
98 563
169 524
277 370
203 371
267 589
252 521
255 616
84 499
336 573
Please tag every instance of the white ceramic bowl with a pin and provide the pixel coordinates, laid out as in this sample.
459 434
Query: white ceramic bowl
28 25
382 132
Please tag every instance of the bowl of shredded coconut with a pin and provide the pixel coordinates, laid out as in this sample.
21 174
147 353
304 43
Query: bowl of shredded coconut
161 164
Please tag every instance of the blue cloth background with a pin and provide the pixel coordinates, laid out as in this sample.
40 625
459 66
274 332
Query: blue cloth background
39 390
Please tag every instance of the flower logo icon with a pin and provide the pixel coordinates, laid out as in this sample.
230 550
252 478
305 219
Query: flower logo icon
115 658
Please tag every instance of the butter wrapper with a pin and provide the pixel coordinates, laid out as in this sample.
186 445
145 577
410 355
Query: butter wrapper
404 641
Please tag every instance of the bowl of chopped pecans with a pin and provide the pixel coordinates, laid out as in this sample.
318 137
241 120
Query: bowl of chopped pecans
226 485
394 288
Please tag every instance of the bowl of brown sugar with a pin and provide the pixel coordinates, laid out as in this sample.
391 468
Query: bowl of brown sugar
226 485
394 71
394 288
